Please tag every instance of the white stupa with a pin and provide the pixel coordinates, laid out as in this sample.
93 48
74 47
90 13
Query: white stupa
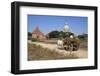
66 28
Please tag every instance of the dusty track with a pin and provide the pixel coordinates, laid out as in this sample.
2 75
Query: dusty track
80 53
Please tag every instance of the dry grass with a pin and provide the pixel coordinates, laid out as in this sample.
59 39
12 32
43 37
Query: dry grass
84 44
37 52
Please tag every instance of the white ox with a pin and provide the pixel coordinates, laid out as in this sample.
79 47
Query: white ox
60 44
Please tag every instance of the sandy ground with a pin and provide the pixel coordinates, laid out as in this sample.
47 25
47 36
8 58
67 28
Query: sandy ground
80 53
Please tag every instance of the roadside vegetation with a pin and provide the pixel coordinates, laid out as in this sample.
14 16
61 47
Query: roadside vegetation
37 52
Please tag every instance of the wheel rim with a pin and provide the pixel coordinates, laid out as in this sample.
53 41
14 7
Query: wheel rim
71 47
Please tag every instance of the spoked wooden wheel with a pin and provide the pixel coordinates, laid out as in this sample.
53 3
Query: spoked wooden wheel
76 47
66 48
71 47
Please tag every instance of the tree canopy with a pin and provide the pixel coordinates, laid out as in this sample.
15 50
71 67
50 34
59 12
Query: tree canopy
59 34
29 34
83 36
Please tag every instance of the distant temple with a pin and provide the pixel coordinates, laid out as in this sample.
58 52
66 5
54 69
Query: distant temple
66 28
37 34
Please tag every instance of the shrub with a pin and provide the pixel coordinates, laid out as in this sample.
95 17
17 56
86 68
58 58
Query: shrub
29 38
34 40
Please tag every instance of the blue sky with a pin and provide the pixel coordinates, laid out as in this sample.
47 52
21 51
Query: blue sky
47 23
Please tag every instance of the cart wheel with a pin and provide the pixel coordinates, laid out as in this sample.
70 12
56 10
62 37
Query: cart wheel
66 48
76 47
71 47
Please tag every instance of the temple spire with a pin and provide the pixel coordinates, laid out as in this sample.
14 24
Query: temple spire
66 27
37 34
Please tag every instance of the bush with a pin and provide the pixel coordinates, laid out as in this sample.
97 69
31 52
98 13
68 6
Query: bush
29 38
34 39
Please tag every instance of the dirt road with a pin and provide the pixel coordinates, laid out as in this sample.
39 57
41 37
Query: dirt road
80 53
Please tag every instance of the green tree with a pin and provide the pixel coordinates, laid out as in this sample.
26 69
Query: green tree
54 34
83 36
59 34
29 35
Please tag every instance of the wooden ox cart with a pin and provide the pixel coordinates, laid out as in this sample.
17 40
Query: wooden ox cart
69 43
